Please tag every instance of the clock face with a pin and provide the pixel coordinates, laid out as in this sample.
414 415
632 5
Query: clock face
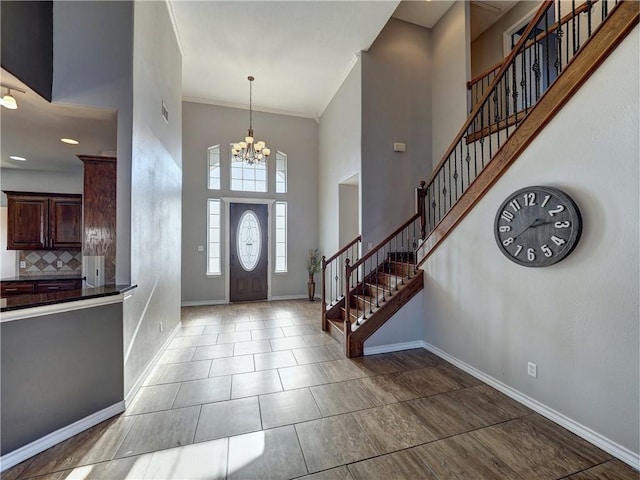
537 226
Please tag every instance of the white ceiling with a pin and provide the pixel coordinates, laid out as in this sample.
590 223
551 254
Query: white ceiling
298 51
34 130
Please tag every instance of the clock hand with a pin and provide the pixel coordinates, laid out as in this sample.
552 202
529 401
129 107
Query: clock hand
538 222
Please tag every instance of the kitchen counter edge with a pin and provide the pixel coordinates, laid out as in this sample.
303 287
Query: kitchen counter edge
15 307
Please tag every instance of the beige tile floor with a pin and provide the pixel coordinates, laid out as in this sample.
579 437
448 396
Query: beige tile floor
258 391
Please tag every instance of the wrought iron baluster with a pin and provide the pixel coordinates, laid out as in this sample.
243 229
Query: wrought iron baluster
455 174
573 25
377 290
523 81
536 67
401 254
449 182
546 45
589 2
579 30
481 139
559 35
496 102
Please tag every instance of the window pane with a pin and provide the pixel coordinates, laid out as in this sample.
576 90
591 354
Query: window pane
281 172
248 178
213 242
214 167
281 237
249 240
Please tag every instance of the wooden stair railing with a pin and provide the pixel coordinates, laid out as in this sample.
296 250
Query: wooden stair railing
374 287
469 169
332 291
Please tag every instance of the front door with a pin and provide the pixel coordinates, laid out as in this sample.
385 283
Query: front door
248 252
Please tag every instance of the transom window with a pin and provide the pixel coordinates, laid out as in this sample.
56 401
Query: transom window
248 178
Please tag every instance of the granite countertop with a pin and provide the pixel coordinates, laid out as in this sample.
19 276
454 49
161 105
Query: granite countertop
42 278
16 302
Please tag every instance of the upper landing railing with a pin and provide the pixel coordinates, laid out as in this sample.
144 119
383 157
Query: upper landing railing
504 96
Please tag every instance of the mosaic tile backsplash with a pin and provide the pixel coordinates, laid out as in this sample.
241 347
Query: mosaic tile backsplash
45 262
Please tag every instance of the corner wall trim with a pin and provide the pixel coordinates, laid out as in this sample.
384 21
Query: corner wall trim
606 444
27 451
394 347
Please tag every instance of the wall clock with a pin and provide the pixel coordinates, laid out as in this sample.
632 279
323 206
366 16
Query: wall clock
537 226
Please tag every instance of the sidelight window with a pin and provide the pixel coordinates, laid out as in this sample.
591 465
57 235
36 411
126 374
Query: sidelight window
281 237
213 237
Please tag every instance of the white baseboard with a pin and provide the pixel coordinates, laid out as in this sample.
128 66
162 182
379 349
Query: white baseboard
199 303
290 297
394 347
606 444
133 390
37 446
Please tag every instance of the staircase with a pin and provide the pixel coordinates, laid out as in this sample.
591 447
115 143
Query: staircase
515 101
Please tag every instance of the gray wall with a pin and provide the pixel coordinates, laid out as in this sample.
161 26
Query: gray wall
93 66
578 319
156 182
339 154
451 68
57 369
396 107
208 125
488 48
98 61
39 181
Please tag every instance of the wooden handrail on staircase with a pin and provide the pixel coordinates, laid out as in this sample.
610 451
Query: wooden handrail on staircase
440 217
336 263
397 247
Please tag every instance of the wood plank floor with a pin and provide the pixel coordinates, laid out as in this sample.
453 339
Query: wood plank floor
258 391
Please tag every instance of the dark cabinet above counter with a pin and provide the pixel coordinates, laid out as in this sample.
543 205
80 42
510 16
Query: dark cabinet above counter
44 221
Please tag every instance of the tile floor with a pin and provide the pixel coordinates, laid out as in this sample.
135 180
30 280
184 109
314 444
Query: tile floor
258 391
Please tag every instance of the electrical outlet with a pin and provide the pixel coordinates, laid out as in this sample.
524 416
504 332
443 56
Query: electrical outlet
532 369
161 327
23 264
59 264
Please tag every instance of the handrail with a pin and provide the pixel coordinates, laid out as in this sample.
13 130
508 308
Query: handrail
440 215
343 249
384 242
470 119
569 16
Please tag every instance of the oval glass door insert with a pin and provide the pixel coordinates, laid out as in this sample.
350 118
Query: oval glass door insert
249 240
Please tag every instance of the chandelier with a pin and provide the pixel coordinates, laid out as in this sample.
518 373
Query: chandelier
249 150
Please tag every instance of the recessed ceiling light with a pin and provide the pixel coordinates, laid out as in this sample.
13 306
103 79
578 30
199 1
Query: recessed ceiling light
70 141
15 157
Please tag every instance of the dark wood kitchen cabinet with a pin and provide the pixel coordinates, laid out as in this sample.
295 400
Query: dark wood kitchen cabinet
38 221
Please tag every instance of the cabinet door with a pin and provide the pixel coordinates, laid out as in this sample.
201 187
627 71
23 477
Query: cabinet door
65 223
27 223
